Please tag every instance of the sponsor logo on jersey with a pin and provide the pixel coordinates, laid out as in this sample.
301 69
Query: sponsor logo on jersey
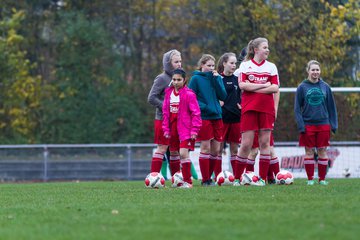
257 79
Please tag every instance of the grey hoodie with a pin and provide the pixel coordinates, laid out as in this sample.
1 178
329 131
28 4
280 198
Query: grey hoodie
161 82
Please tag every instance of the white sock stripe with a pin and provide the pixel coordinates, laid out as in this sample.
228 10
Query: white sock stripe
250 161
309 161
242 160
212 157
204 155
174 157
265 157
274 161
186 160
322 162
158 155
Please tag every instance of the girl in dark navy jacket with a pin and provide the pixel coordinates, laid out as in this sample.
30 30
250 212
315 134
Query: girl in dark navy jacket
230 111
316 116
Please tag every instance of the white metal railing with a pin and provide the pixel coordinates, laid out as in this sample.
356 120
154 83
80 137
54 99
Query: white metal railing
46 148
130 148
334 89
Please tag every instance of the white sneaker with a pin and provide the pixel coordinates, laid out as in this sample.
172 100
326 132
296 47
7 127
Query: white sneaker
259 183
236 183
186 185
324 182
310 182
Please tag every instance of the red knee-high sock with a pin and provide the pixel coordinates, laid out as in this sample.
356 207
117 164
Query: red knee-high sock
174 164
274 168
156 162
242 165
322 168
235 165
186 170
250 164
309 164
264 165
212 164
218 167
204 162
233 162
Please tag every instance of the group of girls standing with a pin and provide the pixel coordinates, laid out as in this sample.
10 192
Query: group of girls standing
219 106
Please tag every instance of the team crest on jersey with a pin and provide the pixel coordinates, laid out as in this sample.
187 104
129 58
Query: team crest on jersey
251 77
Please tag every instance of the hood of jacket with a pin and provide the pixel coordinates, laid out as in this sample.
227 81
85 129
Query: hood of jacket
321 81
168 68
204 74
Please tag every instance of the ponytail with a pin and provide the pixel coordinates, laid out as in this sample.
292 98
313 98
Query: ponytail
251 47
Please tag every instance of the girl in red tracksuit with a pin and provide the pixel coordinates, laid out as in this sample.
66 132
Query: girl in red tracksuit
181 121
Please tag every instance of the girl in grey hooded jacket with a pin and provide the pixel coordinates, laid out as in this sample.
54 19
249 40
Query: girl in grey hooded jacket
171 61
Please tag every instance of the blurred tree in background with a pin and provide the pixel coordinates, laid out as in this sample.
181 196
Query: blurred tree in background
83 103
20 96
80 71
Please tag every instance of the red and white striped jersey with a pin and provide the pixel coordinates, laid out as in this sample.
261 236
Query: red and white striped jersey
258 73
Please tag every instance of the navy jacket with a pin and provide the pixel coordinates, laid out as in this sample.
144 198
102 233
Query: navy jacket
230 111
315 105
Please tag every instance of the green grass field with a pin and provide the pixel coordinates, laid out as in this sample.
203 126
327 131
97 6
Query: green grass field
127 210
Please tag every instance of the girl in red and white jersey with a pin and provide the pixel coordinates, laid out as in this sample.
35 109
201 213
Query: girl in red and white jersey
259 81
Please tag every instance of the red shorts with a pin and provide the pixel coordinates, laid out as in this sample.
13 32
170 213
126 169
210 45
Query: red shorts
159 137
253 120
313 137
256 140
231 132
175 143
211 129
188 143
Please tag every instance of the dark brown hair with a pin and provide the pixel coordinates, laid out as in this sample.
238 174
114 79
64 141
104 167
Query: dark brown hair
223 59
